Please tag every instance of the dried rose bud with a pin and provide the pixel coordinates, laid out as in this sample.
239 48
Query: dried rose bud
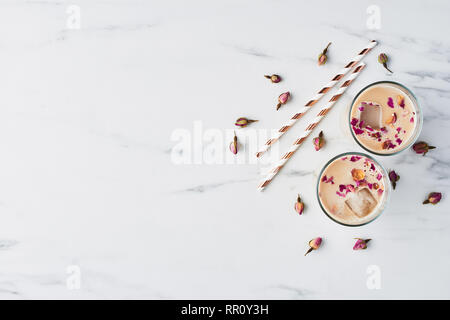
323 56
422 147
433 198
234 145
361 244
314 244
299 205
319 141
283 98
274 78
383 59
243 122
358 174
392 119
394 177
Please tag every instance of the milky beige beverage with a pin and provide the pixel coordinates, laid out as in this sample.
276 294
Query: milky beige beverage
352 189
383 118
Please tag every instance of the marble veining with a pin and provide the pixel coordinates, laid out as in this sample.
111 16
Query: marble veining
93 205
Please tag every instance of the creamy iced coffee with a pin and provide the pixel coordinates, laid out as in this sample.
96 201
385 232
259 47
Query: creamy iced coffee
383 118
352 189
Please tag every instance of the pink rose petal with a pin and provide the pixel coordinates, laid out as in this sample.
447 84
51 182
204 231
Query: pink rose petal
357 131
390 102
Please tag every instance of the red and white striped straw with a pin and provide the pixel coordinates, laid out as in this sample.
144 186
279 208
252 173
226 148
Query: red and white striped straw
317 97
272 173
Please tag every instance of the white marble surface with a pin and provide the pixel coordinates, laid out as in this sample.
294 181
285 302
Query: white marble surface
87 176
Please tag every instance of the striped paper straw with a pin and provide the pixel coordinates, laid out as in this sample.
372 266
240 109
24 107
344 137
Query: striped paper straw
317 97
272 173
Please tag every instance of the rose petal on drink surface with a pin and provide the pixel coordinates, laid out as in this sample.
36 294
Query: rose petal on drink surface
390 102
355 158
357 131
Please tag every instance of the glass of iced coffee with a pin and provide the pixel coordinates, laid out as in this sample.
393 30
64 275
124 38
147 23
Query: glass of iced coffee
385 118
353 189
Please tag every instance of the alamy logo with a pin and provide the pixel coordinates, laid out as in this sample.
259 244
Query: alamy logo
73 281
374 279
73 21
374 19
211 146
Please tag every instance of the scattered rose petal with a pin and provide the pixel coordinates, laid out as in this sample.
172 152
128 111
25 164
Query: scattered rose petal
411 120
401 101
390 102
358 131
392 119
399 141
379 176
388 144
354 121
355 158
328 180
361 123
340 194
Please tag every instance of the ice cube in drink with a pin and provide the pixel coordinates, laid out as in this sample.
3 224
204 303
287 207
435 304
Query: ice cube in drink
370 115
361 202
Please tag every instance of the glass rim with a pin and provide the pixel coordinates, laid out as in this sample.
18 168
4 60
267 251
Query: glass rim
418 111
387 189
